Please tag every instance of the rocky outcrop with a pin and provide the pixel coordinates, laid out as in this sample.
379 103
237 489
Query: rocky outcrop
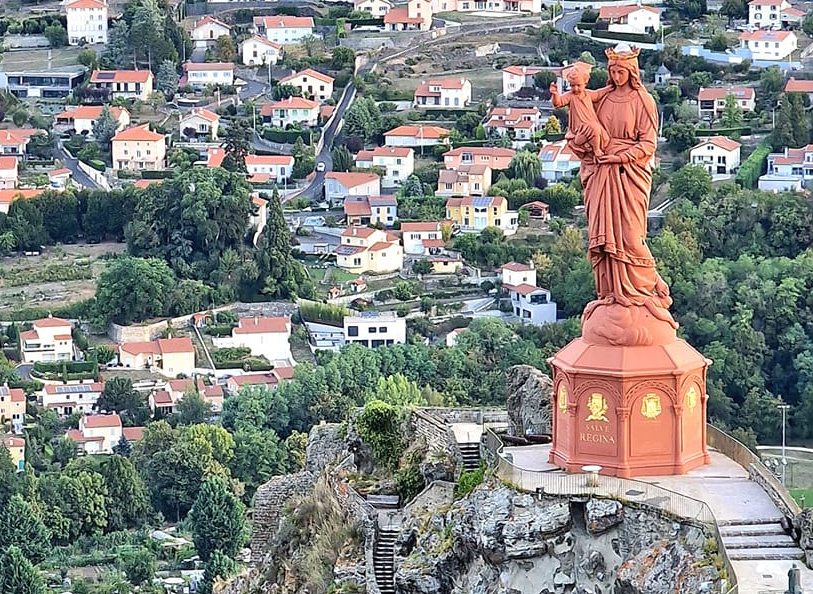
803 528
499 541
326 444
528 398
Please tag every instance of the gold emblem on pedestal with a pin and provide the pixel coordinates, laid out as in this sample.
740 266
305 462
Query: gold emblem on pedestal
561 400
597 405
651 406
691 399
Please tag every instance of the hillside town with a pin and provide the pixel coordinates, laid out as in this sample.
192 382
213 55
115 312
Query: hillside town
281 280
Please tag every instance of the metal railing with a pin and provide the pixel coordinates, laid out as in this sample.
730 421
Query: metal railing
627 491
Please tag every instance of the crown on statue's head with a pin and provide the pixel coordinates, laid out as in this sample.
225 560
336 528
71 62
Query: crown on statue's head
622 51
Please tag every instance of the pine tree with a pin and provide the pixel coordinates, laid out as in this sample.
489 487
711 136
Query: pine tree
21 527
8 476
798 120
218 566
167 78
117 52
123 448
218 520
104 128
236 145
18 575
782 135
342 159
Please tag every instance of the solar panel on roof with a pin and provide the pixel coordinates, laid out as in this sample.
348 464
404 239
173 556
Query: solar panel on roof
71 389
481 201
546 156
346 250
106 75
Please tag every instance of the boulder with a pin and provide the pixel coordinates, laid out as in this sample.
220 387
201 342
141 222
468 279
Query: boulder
325 445
437 467
667 568
528 399
602 514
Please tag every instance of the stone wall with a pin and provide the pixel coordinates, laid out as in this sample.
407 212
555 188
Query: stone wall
439 494
437 434
468 415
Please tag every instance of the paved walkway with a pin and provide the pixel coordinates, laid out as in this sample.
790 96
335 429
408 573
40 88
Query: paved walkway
467 432
734 499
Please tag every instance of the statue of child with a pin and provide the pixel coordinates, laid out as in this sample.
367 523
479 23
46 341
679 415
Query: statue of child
584 132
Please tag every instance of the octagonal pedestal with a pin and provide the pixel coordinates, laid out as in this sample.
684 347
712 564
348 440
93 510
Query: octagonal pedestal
633 410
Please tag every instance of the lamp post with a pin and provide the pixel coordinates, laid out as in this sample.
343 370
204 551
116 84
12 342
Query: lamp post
784 408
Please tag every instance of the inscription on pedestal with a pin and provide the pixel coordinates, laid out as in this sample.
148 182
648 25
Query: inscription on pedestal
598 431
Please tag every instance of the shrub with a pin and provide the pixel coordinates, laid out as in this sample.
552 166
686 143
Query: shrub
379 425
325 313
230 354
218 330
97 165
469 481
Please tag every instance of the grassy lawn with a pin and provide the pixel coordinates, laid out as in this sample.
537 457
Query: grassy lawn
802 494
38 58
339 276
316 274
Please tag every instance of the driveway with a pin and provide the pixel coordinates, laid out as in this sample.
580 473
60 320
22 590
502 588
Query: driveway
79 176
567 24
24 369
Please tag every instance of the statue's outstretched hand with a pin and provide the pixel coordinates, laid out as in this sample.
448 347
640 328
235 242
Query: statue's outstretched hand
554 90
610 159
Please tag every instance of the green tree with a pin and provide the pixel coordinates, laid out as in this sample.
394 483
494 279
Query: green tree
799 119
526 166
217 520
123 447
598 78
104 354
782 134
225 50
398 391
128 503
691 183
342 159
807 25
771 82
732 114
219 566
587 58
21 527
258 455
193 409
422 267
139 566
87 57
117 52
342 57
553 126
167 79
8 476
25 221
280 92
681 136
64 451
236 145
363 119
104 128
734 9
56 35
79 498
133 289
718 42
543 79
119 396
18 575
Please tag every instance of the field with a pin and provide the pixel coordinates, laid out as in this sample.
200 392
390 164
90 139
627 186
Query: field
484 81
37 59
799 473
57 277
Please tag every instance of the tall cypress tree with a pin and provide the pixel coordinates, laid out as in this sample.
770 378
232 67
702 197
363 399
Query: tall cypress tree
21 527
18 575
218 520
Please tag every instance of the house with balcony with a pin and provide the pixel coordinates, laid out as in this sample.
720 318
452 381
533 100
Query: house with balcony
284 30
266 337
48 340
9 173
168 356
139 148
259 51
789 170
415 16
496 158
99 434
363 249
340 184
444 93
199 125
371 210
86 22
207 30
16 449
398 163
531 304
416 136
200 75
269 168
631 18
80 119
711 100
773 14
293 110
56 82
515 78
67 399
472 214
124 84
424 238
718 155
374 329
557 161
521 123
375 8
770 46
466 180
311 83
12 407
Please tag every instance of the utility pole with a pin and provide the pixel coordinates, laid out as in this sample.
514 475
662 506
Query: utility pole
784 408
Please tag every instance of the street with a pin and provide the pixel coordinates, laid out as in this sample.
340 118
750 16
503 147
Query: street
79 176
567 24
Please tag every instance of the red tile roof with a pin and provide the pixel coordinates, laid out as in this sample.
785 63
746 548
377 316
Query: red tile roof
140 133
523 289
162 398
133 433
8 162
51 322
516 267
354 231
380 245
422 226
482 150
385 151
423 132
15 394
617 12
142 184
289 103
210 19
255 379
263 325
357 206
89 112
401 15
264 41
720 141
203 113
12 442
765 35
285 22
522 70
119 76
100 421
452 84
269 160
352 179
176 345
308 72
92 387
215 156
714 93
798 86
86 4
284 372
207 66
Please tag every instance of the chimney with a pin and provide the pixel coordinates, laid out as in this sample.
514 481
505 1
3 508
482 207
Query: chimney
531 264
256 320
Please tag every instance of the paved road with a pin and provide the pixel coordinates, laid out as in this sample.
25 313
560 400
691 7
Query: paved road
567 24
79 176
24 369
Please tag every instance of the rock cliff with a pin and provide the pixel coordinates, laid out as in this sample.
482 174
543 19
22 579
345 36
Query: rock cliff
528 399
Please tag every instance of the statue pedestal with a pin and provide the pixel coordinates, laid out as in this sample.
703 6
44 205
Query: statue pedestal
633 410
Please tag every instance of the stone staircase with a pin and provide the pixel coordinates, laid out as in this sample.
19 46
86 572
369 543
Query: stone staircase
471 455
761 541
384 560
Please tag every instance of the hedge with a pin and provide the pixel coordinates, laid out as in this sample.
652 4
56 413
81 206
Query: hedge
742 131
251 364
754 166
80 309
70 366
96 164
618 36
290 136
219 330
146 174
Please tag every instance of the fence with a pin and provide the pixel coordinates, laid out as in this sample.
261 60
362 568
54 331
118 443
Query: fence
627 491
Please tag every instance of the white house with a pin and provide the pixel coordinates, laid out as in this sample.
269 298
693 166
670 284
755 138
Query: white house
266 337
98 434
373 329
711 100
293 110
311 83
775 46
717 154
81 118
791 170
199 124
632 18
259 51
67 399
207 30
557 161
416 136
454 93
398 163
87 22
124 84
8 173
203 74
515 78
531 304
14 141
284 29
422 238
167 356
371 210
364 249
269 168
521 122
376 8
12 407
415 15
49 340
339 184
763 14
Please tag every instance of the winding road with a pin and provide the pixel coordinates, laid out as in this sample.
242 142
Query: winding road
567 24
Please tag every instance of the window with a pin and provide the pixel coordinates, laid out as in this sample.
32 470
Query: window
352 330
382 329
371 330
